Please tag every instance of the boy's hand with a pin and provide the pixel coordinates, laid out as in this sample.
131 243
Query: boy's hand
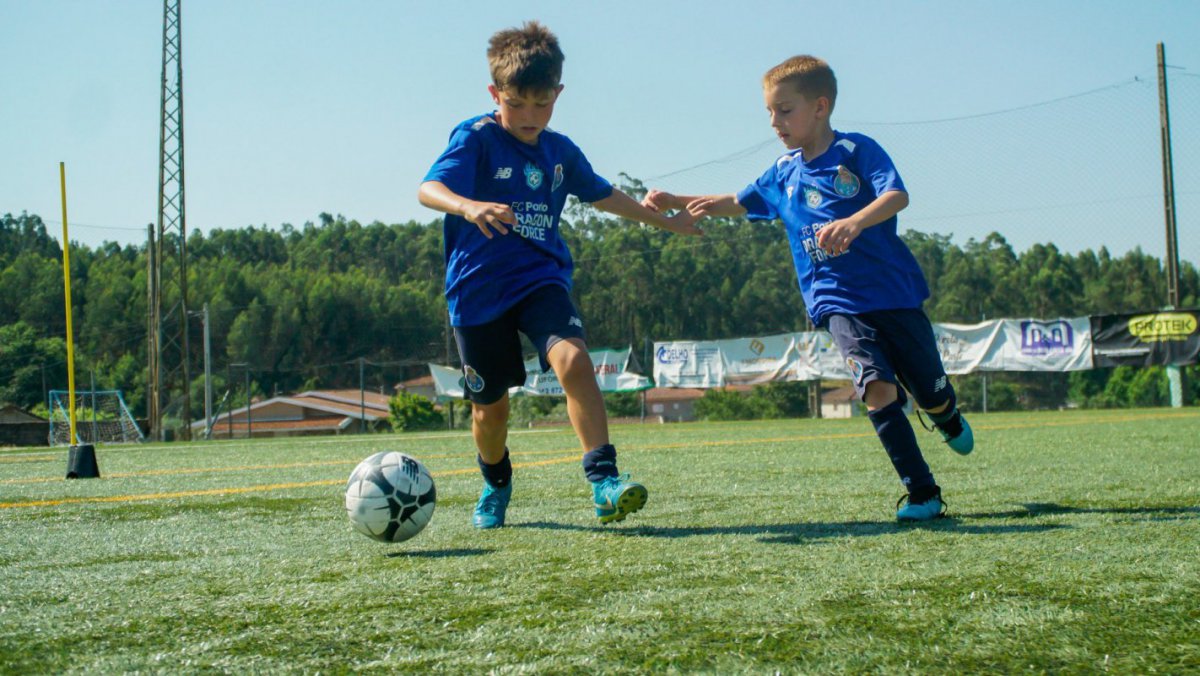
836 236
487 215
657 200
684 223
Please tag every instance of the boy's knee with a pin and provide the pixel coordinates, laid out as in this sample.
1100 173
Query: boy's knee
490 415
880 393
568 357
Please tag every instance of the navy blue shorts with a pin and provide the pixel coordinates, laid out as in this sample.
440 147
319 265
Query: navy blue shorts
491 353
896 346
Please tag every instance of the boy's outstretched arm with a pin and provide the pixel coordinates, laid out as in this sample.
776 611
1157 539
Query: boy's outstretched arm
620 204
486 216
835 238
706 205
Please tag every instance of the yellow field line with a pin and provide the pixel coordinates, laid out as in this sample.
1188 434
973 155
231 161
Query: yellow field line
242 489
30 458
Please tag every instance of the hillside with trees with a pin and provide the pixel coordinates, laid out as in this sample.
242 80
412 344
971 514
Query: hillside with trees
301 305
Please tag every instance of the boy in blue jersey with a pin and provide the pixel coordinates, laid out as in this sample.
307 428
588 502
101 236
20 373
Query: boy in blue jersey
502 182
838 195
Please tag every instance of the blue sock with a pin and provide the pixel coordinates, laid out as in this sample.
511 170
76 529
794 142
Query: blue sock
498 475
600 463
900 442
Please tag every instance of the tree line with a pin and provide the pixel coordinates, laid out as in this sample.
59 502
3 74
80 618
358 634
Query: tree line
320 304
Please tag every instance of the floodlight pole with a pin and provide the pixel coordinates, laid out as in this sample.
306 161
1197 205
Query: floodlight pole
1174 373
169 256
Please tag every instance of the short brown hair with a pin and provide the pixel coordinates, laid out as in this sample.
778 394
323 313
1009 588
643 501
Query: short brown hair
525 58
811 76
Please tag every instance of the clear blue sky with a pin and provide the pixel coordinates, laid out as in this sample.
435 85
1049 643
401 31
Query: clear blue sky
297 107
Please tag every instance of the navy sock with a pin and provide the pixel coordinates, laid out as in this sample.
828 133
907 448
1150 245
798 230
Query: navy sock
498 475
600 463
900 442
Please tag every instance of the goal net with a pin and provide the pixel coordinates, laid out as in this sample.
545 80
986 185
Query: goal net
100 417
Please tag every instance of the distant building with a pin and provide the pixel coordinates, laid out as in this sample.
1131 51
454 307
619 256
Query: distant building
19 427
678 404
308 413
11 413
840 402
422 386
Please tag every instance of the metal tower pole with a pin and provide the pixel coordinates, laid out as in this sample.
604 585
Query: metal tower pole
173 348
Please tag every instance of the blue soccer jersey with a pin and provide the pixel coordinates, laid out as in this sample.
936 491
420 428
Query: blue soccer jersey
485 277
878 272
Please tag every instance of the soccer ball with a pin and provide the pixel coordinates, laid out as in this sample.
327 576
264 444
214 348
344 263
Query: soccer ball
390 497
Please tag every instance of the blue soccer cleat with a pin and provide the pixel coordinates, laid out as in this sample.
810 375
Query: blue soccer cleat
493 503
932 508
964 442
617 497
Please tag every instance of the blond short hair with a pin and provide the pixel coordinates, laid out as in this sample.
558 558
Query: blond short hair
812 77
525 59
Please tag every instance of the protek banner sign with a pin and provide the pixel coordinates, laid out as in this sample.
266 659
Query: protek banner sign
1146 339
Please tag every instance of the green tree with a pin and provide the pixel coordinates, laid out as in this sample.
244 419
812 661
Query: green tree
412 412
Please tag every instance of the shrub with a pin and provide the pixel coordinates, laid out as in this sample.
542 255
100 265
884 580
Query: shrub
412 412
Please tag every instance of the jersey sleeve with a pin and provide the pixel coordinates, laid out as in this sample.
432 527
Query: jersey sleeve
582 181
456 166
876 166
760 198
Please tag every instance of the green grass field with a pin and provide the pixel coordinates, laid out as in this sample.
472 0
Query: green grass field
1074 546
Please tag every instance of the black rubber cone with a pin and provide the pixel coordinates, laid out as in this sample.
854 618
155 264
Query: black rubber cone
81 463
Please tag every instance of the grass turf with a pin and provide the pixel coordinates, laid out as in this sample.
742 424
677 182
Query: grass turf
1072 546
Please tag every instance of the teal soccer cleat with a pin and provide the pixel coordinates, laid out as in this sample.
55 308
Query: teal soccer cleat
617 497
493 503
932 508
954 430
964 442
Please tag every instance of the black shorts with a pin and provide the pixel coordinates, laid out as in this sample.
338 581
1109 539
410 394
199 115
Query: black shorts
896 346
491 353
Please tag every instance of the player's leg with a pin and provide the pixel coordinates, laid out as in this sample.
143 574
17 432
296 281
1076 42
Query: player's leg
585 404
491 357
875 381
919 366
551 322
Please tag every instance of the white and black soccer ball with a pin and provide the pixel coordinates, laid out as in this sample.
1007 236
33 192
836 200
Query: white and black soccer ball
390 497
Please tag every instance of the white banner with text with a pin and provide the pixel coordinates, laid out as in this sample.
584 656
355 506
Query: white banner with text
998 345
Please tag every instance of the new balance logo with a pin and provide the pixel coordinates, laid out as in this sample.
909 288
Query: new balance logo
575 321
939 384
503 172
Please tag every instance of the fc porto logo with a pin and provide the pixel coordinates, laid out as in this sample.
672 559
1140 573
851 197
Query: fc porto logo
558 178
533 176
856 369
846 184
812 196
472 379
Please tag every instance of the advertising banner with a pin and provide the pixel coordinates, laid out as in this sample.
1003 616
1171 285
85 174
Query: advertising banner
965 347
1146 339
612 375
998 345
750 361
688 364
819 357
1016 345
